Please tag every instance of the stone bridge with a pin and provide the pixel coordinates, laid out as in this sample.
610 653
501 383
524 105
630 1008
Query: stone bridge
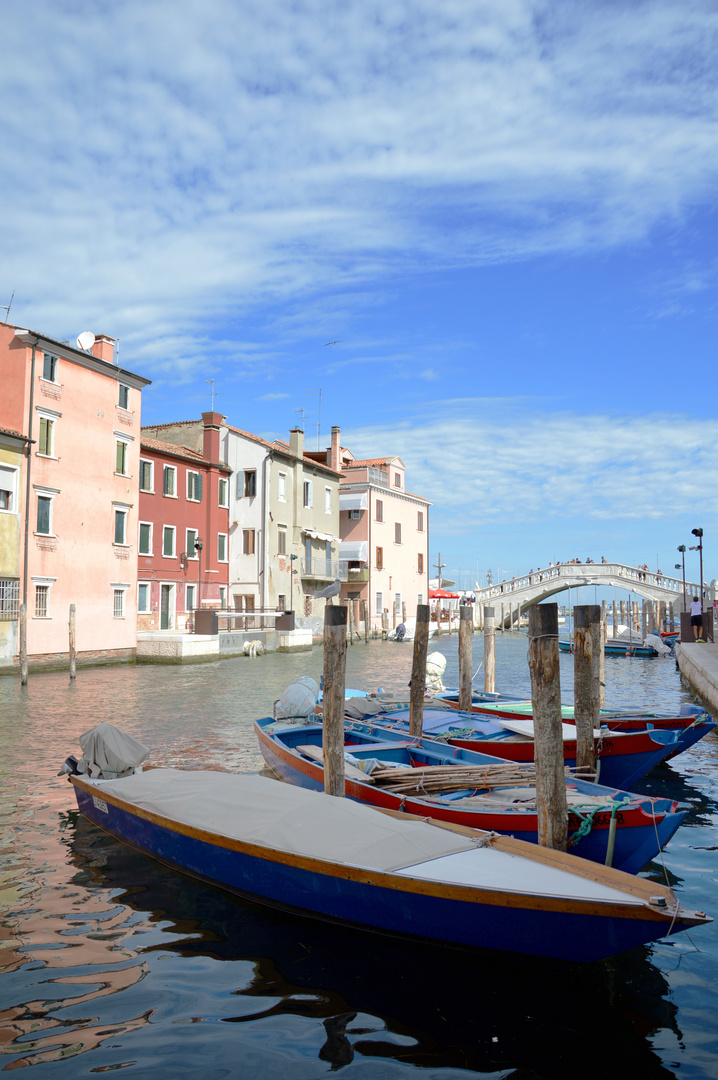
522 592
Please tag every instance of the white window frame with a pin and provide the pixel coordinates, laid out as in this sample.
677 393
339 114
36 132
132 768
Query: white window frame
193 472
147 607
43 583
327 500
223 597
126 388
165 470
152 537
189 595
223 492
397 604
188 547
282 487
245 476
46 493
54 364
13 475
121 437
308 497
148 461
119 513
378 604
222 558
51 417
119 591
173 530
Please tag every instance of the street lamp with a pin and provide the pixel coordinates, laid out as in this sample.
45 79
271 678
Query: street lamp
291 581
682 549
698 533
198 549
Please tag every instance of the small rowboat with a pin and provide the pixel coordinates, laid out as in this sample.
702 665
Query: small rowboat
429 779
339 860
614 648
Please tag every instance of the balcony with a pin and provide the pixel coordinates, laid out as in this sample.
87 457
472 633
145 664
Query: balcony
378 476
330 569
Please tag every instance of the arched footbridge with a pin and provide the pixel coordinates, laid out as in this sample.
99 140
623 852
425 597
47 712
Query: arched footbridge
538 585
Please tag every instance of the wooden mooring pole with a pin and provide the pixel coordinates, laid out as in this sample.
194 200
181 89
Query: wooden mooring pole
551 804
489 650
73 650
466 629
365 613
335 658
588 647
23 645
417 684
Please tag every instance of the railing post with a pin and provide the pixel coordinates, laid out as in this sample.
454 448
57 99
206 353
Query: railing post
551 807
335 644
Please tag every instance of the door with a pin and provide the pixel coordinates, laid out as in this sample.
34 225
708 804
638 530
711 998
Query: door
165 607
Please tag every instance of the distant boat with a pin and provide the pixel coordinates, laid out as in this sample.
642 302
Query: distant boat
335 859
614 648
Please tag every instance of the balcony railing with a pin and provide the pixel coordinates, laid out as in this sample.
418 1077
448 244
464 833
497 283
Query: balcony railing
378 476
331 569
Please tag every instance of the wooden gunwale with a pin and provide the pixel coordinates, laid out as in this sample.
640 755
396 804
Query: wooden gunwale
638 887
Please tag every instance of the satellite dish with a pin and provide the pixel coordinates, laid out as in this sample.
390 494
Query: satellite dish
86 340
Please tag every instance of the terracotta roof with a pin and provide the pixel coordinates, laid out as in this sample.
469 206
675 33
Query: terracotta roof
367 462
172 448
15 434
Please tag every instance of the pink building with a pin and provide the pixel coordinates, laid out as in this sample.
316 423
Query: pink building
79 492
183 531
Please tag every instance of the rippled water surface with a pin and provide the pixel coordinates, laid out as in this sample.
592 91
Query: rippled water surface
112 962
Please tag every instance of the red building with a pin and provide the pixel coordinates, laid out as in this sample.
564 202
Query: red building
183 537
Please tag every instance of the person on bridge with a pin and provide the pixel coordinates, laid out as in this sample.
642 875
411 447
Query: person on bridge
697 619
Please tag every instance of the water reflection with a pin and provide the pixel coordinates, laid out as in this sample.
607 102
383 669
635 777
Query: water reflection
113 962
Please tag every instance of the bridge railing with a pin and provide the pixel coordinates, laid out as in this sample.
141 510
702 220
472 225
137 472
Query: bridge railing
576 573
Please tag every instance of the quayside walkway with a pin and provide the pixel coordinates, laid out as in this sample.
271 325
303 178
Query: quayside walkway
698 665
538 585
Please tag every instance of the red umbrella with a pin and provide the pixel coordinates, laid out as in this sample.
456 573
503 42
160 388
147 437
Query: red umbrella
442 594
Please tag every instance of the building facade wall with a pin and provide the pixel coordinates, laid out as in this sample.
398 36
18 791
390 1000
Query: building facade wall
12 449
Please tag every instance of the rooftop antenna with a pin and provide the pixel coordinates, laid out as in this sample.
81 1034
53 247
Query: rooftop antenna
302 412
319 412
212 393
6 307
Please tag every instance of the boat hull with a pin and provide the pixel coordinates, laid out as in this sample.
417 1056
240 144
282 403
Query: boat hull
432 911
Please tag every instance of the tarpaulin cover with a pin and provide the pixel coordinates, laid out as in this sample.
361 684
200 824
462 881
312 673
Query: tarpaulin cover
109 752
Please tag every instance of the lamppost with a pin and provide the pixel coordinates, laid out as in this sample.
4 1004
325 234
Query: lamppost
198 549
292 572
682 549
699 548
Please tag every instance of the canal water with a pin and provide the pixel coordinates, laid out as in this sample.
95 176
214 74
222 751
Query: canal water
112 963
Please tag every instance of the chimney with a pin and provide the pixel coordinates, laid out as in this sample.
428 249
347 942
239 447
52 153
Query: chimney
334 452
296 442
104 348
210 445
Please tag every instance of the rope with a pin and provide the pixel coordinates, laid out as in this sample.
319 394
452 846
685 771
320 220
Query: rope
587 820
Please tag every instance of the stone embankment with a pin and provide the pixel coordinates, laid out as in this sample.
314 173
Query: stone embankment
698 665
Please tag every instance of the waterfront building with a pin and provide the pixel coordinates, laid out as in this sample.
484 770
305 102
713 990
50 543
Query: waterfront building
283 520
79 413
183 530
12 452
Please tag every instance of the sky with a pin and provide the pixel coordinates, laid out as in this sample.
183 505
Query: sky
501 214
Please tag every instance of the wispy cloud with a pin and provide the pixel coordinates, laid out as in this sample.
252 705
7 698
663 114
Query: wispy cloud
173 163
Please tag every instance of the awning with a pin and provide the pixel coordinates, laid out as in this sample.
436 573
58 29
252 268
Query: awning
442 594
354 550
354 501
321 536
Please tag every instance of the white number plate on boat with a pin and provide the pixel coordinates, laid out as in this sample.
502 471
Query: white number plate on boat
99 804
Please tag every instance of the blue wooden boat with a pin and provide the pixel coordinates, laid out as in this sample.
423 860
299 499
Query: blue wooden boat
336 859
429 779
622 757
614 648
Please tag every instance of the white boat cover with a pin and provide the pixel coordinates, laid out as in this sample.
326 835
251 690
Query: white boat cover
435 665
299 700
526 727
258 810
109 752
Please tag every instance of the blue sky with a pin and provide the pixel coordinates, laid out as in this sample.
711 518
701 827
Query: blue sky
501 210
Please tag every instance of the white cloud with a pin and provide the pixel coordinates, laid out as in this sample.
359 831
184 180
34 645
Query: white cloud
169 164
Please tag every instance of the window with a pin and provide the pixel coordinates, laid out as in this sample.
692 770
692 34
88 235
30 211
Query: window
223 597
327 500
118 603
420 563
191 540
194 486
8 489
189 598
46 442
354 515
223 492
281 602
42 594
308 553
250 483
120 526
169 481
397 604
420 520
379 510
143 597
146 475
380 558
308 493
221 547
168 540
379 604
282 487
44 515
420 598
397 479
397 532
124 397
145 538
9 599
281 541
121 457
49 368
248 542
